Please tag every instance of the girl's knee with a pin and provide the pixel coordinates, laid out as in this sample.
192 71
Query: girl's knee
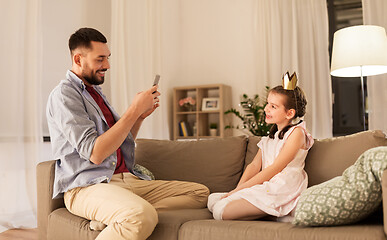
217 213
225 213
218 209
213 198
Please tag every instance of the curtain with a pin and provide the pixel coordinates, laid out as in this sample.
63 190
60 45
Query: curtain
374 13
136 59
292 35
20 128
220 41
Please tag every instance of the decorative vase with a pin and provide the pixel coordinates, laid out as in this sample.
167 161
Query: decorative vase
189 107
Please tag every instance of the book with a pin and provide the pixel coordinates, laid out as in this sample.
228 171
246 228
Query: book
180 130
184 129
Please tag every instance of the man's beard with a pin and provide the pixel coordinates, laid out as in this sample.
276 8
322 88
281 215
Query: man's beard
93 79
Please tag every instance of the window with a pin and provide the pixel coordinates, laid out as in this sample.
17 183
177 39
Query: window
347 100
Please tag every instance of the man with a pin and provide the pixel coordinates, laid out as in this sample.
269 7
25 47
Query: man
95 149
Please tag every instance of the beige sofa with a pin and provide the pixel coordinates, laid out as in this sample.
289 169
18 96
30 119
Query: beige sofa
219 163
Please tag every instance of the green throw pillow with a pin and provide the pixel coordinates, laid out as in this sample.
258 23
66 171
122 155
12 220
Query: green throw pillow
345 199
144 171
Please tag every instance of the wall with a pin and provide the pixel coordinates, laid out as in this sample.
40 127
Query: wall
61 19
202 42
208 42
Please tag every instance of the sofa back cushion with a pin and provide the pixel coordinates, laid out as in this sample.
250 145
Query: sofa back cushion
252 149
328 158
216 163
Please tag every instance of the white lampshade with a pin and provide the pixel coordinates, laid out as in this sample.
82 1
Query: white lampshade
359 50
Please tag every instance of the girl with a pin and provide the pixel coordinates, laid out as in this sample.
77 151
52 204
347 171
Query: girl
274 180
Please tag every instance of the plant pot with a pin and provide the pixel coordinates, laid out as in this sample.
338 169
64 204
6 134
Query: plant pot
189 108
213 132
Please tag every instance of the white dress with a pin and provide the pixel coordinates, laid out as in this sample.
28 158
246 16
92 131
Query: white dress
278 196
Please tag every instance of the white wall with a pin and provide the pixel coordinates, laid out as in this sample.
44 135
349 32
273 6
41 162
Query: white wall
207 42
217 43
61 19
203 42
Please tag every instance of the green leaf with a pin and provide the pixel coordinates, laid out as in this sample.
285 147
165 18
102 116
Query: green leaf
253 118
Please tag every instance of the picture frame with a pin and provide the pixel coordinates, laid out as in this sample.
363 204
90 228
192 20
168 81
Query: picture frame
210 104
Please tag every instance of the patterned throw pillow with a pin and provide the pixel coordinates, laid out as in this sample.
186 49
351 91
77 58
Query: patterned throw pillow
144 171
345 199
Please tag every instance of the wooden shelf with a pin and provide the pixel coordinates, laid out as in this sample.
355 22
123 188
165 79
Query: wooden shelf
202 118
190 112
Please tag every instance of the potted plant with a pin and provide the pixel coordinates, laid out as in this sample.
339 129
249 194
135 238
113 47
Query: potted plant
213 129
188 103
253 118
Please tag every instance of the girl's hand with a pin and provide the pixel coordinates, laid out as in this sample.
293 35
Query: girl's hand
230 193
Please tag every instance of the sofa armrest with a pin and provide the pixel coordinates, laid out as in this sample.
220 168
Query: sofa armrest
384 192
45 173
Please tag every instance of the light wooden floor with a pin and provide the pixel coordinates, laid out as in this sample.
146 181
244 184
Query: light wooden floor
20 234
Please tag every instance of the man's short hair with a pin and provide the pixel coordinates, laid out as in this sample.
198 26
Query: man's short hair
83 37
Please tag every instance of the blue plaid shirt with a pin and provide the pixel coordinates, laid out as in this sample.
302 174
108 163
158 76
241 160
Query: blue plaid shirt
75 121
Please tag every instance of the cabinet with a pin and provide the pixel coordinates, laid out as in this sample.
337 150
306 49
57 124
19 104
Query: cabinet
211 103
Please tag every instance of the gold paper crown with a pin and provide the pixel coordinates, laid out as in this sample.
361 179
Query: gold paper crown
289 82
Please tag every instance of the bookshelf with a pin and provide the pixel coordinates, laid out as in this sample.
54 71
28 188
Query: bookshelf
195 123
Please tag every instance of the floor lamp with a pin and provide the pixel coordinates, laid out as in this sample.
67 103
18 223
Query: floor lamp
359 51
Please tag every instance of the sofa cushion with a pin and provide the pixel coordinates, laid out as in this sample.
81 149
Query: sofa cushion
216 163
170 222
345 199
328 158
62 225
45 174
143 171
340 152
252 230
252 149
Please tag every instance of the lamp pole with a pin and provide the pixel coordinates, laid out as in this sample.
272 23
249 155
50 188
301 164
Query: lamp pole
363 97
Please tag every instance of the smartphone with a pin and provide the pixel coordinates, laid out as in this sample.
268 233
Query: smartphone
156 81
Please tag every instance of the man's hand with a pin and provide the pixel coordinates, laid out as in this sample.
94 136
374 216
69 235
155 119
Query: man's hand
155 105
146 114
146 102
142 98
